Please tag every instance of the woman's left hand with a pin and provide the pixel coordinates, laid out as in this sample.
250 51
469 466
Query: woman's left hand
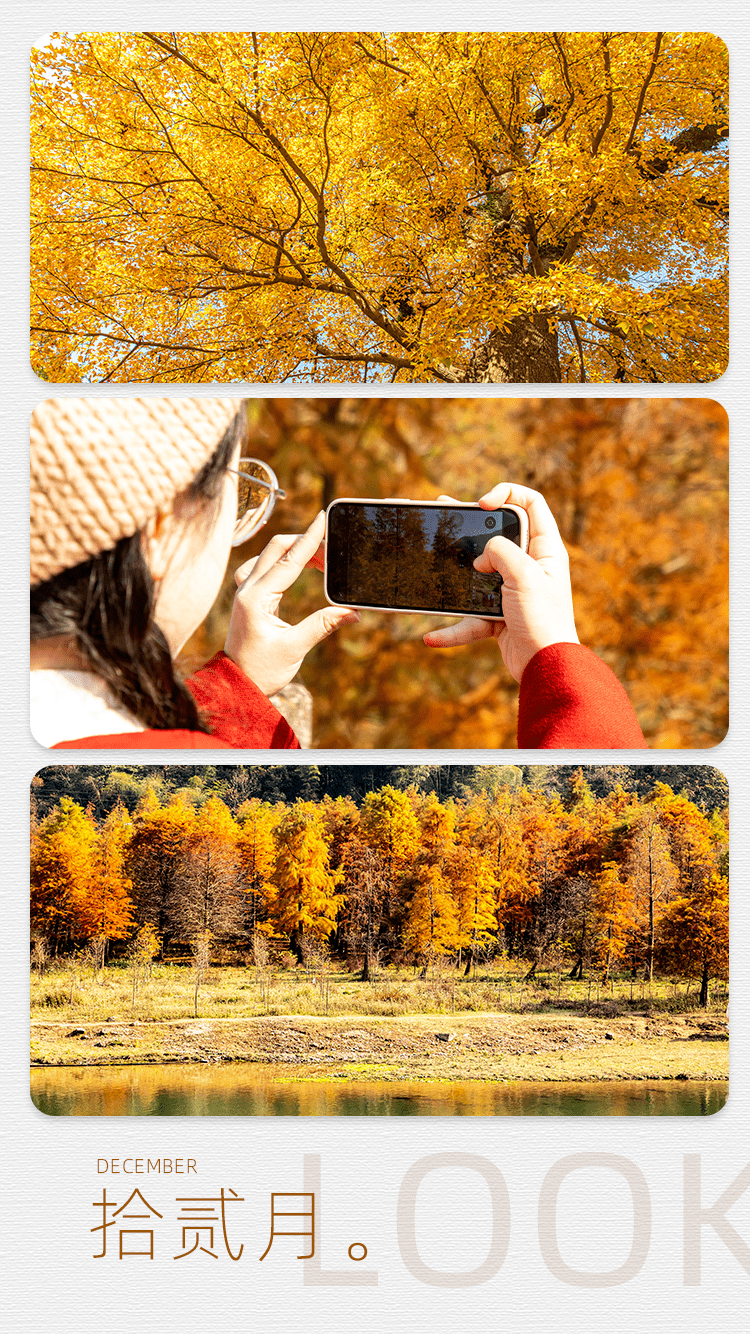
263 646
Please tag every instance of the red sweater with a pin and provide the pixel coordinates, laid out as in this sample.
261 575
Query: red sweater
569 699
239 714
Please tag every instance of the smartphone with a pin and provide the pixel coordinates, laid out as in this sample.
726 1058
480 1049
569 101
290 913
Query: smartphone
406 555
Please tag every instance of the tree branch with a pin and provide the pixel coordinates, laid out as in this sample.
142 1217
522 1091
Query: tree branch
581 364
644 90
610 101
381 358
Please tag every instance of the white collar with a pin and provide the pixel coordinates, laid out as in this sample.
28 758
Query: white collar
67 705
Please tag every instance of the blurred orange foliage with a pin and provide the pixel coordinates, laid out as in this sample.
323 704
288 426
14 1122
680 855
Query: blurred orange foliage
639 489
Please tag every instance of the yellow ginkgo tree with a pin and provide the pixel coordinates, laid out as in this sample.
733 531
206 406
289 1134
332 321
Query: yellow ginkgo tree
307 899
458 207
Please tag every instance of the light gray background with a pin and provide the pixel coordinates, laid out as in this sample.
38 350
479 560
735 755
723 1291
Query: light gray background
49 1178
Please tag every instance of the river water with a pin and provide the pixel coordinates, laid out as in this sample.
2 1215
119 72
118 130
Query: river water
259 1090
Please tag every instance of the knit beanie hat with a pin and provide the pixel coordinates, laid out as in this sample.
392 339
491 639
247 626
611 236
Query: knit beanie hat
102 467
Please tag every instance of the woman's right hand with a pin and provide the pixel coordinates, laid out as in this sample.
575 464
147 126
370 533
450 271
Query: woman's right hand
537 597
267 649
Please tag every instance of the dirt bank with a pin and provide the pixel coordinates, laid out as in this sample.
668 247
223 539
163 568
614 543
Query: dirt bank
552 1046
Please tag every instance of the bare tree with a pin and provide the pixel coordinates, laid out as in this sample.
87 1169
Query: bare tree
260 963
201 951
142 951
96 950
40 954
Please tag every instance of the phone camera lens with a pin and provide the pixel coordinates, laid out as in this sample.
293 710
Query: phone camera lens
490 523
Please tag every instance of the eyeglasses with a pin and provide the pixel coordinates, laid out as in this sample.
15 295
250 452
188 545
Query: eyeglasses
257 492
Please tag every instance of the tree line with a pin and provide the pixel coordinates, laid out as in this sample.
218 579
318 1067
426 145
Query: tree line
574 881
102 786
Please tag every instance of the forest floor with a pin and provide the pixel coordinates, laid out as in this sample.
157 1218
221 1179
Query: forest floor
548 1046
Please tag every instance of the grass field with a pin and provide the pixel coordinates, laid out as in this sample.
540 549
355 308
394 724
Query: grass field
69 992
331 1025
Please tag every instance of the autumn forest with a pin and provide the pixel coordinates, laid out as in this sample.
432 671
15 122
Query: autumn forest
608 872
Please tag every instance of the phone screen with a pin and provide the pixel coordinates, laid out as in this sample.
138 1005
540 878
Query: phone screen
414 557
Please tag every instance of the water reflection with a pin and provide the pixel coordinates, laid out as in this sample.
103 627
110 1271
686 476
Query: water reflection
258 1090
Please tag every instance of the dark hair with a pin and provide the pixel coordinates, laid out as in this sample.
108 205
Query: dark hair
106 605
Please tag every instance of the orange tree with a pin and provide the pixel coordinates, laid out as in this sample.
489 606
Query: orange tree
490 827
651 874
109 907
613 917
365 885
432 925
306 898
155 859
694 934
78 885
473 888
340 821
389 826
460 207
211 900
539 918
256 855
695 851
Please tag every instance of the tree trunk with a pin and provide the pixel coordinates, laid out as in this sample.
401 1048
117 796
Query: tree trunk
651 895
609 952
369 943
524 352
703 1002
650 952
